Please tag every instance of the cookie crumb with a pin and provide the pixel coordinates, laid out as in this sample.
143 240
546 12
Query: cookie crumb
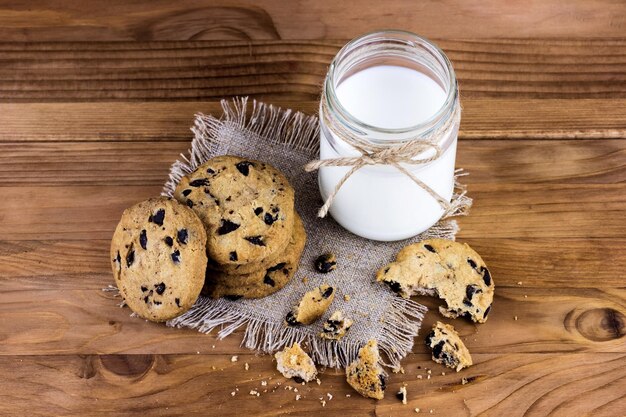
326 262
253 392
305 280
419 377
525 296
427 376
213 347
401 395
234 359
233 393
429 372
398 370
264 383
346 297
519 282
323 403
515 318
329 395
348 395
464 381
430 411
443 374
417 410
246 366
318 381
298 397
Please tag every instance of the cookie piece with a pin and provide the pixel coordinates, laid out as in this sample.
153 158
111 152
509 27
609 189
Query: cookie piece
401 395
261 283
326 262
336 326
246 207
451 270
312 306
158 254
293 362
448 348
365 374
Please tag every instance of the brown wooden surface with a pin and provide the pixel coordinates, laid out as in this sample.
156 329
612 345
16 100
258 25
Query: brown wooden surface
96 101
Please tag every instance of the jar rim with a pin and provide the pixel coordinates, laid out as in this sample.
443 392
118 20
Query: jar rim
412 40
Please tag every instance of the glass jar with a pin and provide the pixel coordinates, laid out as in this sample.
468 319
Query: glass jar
388 88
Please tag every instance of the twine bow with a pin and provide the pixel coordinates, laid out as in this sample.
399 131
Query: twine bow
385 154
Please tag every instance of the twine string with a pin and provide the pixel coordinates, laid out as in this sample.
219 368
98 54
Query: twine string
384 154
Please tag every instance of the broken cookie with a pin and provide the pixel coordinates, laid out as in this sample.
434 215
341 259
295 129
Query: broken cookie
453 271
313 305
448 348
293 362
365 374
336 326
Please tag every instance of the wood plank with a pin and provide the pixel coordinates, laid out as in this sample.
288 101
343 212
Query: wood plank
53 322
171 121
294 70
560 385
598 161
545 263
41 20
500 211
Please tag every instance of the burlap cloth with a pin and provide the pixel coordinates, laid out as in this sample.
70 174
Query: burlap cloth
288 140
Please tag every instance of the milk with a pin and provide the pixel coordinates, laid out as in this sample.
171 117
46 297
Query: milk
379 202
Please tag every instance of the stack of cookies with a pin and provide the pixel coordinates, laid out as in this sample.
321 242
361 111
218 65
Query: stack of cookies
232 233
254 236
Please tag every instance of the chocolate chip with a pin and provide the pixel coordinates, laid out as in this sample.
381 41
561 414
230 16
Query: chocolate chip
438 349
400 395
157 303
177 301
186 192
269 281
226 227
210 171
487 312
395 286
467 302
233 256
189 203
144 289
326 263
430 248
486 276
199 183
471 263
276 267
383 381
182 236
233 297
258 210
269 219
291 319
328 292
160 288
118 258
143 239
169 241
275 209
472 289
429 338
244 167
146 299
297 379
130 256
176 256
255 240
158 217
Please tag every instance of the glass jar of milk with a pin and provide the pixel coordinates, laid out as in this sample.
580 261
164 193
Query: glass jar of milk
388 87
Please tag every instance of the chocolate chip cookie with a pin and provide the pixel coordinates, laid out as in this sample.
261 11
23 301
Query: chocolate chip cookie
246 207
451 270
260 283
293 362
158 258
365 374
447 347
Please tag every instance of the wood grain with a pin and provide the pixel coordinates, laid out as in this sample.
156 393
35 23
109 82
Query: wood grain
294 70
556 384
482 119
598 161
272 19
62 321
538 262
500 211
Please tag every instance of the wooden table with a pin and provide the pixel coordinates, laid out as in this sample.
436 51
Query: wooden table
97 101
